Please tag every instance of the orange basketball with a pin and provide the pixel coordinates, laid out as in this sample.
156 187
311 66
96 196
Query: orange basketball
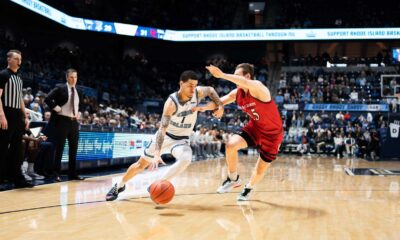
161 191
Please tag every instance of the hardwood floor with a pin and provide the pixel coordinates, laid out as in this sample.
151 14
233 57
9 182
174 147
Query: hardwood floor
299 198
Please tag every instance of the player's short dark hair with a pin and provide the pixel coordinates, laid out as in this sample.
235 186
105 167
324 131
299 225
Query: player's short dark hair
11 52
69 70
247 68
188 74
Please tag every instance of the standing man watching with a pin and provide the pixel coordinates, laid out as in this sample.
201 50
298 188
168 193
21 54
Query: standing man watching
12 121
64 102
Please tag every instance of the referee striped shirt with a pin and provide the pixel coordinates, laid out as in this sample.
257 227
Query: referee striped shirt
11 83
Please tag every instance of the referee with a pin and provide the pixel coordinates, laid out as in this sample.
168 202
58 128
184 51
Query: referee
12 121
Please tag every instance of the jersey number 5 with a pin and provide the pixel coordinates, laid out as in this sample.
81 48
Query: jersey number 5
254 115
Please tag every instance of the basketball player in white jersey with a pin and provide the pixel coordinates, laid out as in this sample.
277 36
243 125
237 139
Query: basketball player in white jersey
177 124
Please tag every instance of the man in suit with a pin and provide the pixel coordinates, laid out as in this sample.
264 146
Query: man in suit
64 102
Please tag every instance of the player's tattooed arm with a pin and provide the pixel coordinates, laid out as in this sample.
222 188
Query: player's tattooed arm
227 99
216 103
161 132
169 109
211 93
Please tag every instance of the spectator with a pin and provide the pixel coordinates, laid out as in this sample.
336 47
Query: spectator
347 116
339 116
47 116
350 144
320 141
373 147
339 145
303 146
31 145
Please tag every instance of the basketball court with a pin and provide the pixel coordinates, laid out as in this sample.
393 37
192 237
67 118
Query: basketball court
300 198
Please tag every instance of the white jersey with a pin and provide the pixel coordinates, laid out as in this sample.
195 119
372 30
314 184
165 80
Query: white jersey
183 120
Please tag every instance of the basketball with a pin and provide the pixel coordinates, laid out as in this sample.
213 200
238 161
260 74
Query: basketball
162 191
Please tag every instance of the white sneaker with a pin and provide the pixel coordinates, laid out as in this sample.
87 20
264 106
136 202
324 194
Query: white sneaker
26 176
229 184
35 175
244 195
24 168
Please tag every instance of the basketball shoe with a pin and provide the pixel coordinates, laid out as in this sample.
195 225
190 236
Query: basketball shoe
244 195
113 193
229 184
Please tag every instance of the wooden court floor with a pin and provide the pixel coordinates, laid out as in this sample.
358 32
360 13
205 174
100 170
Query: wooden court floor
300 198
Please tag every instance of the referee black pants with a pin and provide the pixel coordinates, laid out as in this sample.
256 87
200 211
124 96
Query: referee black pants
11 146
66 128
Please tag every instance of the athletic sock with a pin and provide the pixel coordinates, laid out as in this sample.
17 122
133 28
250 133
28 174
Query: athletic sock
121 184
233 176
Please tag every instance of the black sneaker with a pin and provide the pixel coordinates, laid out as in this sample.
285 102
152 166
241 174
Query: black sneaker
113 193
244 195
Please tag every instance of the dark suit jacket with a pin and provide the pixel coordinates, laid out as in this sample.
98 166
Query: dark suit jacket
58 97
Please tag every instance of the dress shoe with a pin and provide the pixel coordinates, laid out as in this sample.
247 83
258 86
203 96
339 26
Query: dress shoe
75 177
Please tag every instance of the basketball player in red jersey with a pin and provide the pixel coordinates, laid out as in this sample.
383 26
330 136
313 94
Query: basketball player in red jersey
263 131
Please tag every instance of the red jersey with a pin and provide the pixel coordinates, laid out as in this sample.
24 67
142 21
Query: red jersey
264 116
